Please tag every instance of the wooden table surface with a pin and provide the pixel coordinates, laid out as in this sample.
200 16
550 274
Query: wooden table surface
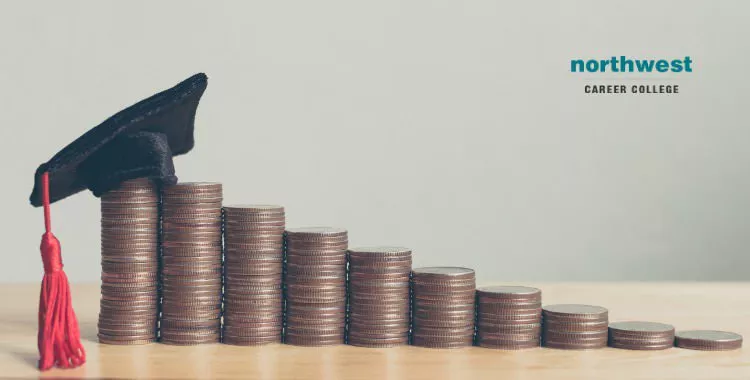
723 306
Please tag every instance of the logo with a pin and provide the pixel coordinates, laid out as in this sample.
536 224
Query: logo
627 65
644 69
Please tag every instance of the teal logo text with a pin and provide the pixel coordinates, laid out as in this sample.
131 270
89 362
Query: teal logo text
628 65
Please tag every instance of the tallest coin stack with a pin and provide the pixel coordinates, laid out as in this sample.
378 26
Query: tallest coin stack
130 263
192 263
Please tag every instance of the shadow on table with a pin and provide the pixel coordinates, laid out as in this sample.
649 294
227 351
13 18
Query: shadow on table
29 358
88 332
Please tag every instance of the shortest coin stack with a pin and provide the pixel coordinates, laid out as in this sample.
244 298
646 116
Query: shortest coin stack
708 340
379 296
509 317
638 335
443 307
575 327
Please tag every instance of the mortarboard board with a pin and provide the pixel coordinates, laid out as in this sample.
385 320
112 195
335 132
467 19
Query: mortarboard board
136 142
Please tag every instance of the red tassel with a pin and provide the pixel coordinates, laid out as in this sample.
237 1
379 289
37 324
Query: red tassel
59 339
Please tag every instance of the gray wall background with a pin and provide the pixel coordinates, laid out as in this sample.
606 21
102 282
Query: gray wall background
452 127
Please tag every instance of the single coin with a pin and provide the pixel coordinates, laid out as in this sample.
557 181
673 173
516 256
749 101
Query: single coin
640 328
315 232
454 272
511 346
568 325
574 345
192 186
523 292
575 336
575 311
379 251
108 340
708 340
253 208
458 342
642 346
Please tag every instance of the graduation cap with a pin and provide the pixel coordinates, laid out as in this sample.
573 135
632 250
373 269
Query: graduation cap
137 142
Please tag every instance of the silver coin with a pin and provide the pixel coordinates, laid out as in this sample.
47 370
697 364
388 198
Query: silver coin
575 309
380 251
443 271
515 291
641 327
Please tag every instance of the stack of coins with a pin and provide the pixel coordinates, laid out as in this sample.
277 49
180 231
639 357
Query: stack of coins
379 296
708 340
315 286
130 263
638 335
443 307
253 265
191 263
509 317
574 327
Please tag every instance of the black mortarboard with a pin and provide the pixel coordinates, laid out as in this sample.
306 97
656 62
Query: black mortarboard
136 142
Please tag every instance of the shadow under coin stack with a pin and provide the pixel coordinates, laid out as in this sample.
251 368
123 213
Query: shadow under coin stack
443 309
638 335
315 286
379 296
575 327
509 317
253 266
191 263
130 264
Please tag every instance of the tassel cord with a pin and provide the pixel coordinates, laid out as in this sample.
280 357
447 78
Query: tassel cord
59 339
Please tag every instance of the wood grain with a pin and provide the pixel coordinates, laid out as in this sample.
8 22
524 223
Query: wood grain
724 306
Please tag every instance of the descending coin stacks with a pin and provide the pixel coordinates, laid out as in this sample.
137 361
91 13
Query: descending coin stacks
130 263
379 296
315 286
443 307
574 327
192 263
637 335
253 265
509 317
708 340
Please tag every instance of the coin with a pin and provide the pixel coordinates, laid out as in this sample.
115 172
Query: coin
565 325
575 312
316 233
639 328
452 343
708 340
575 345
379 252
642 346
444 273
517 295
